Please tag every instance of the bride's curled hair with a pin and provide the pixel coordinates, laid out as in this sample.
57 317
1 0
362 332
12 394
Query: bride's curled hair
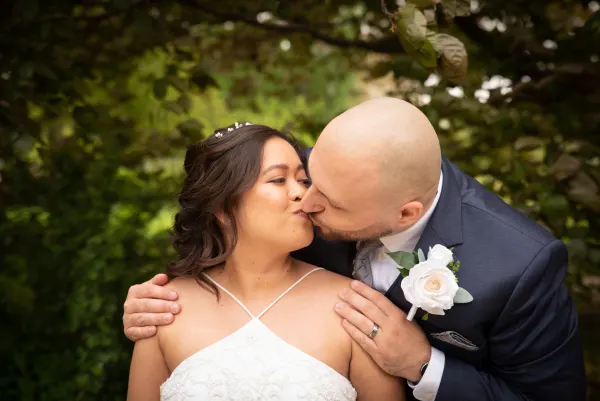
218 171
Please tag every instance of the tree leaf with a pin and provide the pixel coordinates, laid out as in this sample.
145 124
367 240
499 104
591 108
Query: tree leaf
160 88
565 166
381 69
174 107
453 56
178 83
462 296
423 4
427 56
528 143
455 8
185 102
583 189
463 8
448 9
191 128
411 27
554 205
203 80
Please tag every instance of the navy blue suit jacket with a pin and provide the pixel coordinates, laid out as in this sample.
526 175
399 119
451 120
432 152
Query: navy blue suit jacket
522 318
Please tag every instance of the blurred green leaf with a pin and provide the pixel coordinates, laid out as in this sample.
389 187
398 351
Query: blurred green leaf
160 88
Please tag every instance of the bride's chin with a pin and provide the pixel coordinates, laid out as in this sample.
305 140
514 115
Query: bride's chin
301 239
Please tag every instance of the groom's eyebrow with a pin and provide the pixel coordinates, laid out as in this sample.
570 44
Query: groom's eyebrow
283 167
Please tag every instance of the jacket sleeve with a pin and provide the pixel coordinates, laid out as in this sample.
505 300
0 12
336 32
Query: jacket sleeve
534 347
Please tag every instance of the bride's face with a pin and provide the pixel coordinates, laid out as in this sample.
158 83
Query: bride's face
270 211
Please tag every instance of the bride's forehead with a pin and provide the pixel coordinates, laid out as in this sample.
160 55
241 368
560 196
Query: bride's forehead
278 149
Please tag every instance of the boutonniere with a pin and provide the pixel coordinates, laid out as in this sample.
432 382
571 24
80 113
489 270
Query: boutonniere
430 283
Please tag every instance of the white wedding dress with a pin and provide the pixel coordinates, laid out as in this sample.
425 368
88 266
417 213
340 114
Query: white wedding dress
254 364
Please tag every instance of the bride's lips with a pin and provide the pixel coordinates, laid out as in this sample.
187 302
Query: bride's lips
301 214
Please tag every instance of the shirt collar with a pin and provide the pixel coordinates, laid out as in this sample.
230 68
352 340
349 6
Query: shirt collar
407 240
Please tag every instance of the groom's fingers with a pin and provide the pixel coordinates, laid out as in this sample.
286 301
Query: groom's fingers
380 300
364 306
146 319
149 305
139 333
365 342
357 319
151 290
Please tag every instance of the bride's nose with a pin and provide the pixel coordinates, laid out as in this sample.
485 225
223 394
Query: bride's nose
297 192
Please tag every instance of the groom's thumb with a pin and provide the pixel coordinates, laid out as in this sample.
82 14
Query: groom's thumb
160 279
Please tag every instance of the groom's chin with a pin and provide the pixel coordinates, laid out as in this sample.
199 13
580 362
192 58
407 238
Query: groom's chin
330 235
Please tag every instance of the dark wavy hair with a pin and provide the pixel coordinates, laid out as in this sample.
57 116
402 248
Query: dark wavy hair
218 171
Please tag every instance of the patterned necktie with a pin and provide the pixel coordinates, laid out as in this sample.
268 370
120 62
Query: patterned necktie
362 263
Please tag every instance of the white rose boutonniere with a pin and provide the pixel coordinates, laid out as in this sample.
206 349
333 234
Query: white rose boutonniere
431 284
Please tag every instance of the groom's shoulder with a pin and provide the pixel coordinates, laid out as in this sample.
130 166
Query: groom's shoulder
486 211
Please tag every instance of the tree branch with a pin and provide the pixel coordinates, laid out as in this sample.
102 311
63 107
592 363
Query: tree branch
387 45
522 88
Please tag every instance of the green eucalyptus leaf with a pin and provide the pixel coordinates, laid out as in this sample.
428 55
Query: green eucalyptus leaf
462 296
406 260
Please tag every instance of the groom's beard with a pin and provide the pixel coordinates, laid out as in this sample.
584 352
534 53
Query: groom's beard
368 233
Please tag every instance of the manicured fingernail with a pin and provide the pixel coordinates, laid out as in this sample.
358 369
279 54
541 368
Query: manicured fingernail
339 305
355 284
173 295
175 308
344 292
167 317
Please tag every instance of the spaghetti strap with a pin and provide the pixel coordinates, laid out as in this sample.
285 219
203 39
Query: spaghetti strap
272 303
230 294
286 291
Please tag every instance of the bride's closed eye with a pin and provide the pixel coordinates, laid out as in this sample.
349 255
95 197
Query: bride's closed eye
303 181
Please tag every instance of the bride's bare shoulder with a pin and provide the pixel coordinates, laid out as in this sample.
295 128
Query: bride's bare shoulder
191 290
326 280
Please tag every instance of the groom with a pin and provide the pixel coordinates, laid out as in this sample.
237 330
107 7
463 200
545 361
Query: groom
380 185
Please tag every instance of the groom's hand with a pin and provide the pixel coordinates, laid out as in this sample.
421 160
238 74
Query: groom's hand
400 347
148 305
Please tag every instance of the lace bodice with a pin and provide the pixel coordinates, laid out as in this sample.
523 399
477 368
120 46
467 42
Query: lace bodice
254 364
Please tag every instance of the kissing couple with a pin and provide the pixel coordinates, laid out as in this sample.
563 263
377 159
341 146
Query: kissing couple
297 279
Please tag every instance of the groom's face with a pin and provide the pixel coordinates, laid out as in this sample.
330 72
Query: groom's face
344 200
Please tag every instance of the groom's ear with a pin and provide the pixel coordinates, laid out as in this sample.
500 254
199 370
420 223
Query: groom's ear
409 214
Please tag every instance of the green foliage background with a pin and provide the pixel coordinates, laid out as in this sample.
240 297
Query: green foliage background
99 99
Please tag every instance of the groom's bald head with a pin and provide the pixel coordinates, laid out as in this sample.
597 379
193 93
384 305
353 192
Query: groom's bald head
372 167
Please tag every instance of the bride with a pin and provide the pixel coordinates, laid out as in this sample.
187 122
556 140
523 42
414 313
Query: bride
252 325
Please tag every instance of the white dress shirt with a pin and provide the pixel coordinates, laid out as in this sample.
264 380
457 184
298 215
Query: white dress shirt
385 272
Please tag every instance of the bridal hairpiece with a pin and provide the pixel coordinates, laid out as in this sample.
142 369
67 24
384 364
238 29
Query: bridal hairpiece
236 125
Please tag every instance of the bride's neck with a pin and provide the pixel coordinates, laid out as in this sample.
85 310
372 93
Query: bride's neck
253 269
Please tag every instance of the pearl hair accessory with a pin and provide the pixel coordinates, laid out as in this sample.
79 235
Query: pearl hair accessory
236 125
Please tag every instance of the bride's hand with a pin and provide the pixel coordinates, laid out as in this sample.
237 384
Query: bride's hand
148 305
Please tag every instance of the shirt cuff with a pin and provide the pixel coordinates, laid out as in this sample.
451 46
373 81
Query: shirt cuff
428 387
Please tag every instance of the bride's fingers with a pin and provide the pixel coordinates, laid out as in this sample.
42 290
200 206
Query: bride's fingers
357 319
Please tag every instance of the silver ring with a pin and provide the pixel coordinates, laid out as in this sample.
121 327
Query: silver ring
374 331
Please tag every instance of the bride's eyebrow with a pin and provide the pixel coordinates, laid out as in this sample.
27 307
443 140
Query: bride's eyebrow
283 167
